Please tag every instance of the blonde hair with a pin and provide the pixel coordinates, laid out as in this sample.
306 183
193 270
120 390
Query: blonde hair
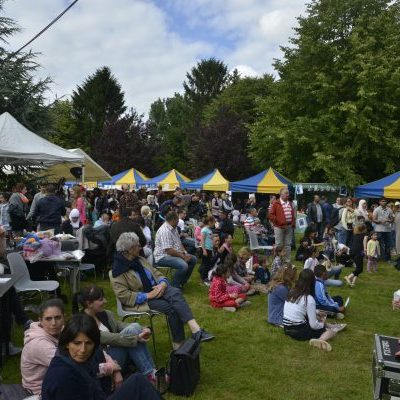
145 211
285 275
244 252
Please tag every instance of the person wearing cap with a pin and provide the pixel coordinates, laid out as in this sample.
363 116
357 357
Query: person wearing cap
383 218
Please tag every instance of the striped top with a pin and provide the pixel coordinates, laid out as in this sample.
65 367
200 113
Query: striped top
301 312
287 209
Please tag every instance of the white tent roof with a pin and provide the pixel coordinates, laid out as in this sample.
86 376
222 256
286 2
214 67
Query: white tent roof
18 145
92 171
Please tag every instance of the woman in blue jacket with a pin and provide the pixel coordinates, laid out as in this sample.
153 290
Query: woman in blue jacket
75 371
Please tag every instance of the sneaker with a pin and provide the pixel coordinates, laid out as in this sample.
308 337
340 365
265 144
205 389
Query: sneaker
206 282
229 309
338 327
203 336
245 304
12 350
250 292
339 315
320 344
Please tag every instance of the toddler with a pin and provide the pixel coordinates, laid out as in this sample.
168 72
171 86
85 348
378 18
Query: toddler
278 259
373 252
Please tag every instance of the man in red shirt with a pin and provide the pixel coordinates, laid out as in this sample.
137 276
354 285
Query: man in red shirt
282 216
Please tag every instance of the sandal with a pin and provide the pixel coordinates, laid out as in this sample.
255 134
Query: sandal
320 344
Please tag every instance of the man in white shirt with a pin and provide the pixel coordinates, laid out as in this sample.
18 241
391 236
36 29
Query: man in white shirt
383 218
169 251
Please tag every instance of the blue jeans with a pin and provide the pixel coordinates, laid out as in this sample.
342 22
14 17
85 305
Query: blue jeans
333 282
183 269
341 235
335 272
385 239
139 354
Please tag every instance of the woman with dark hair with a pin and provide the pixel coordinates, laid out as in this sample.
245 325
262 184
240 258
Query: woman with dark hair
121 341
76 369
40 344
17 209
300 319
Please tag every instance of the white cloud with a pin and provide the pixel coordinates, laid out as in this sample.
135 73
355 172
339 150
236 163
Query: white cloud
141 42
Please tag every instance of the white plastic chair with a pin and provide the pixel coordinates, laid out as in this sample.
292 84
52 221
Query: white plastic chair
25 284
124 314
254 245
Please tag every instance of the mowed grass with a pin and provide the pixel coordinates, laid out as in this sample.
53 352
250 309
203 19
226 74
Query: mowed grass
249 359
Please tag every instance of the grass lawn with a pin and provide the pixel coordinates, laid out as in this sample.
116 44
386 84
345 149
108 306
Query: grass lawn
250 359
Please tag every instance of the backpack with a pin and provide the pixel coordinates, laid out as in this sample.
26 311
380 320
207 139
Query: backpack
335 216
184 368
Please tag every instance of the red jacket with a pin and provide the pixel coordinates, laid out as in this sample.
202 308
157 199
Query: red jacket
277 215
218 293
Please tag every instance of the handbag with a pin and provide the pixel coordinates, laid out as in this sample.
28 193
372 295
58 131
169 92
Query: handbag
184 368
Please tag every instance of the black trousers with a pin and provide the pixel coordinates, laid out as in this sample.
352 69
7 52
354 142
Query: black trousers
136 387
174 305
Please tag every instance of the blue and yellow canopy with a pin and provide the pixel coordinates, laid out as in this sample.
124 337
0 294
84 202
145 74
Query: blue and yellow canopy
267 181
214 181
386 187
131 176
168 180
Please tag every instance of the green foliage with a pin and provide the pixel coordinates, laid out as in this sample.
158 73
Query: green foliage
169 121
99 100
21 94
62 124
334 113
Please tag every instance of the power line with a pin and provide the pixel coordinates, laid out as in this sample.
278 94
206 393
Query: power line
42 31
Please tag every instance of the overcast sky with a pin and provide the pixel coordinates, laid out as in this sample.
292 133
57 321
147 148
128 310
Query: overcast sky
151 44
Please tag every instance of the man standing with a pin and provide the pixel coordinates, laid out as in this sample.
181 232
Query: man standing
283 218
383 218
316 215
169 251
327 210
39 195
128 199
49 210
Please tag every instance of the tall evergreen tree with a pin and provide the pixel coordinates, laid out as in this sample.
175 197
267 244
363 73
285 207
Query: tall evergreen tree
334 115
21 94
97 102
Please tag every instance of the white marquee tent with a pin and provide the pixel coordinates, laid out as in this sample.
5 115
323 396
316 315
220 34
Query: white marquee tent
20 146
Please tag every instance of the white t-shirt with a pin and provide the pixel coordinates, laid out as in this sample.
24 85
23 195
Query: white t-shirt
310 263
296 313
181 225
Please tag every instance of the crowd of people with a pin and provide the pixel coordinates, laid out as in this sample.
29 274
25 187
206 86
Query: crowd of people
149 233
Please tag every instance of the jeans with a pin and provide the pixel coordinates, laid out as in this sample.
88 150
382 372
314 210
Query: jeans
385 239
283 237
183 269
189 245
174 305
335 272
341 235
136 387
333 282
138 354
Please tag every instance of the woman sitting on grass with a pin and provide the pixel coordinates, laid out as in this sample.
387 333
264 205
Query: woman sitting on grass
123 342
219 296
278 289
300 319
40 344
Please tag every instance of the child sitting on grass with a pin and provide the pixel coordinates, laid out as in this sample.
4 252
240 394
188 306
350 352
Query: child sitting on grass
310 257
300 319
373 253
218 294
279 253
236 284
278 289
323 300
261 274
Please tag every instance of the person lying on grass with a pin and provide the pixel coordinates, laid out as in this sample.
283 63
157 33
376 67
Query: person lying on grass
300 320
278 289
323 300
218 294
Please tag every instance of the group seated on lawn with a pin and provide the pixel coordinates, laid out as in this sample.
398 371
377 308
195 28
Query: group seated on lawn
148 236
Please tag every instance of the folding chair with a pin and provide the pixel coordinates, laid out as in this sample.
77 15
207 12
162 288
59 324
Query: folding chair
254 245
124 314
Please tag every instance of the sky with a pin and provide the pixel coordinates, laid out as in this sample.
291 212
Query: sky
150 45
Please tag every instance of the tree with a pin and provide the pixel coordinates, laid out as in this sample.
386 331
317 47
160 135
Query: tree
63 129
126 143
334 114
204 82
170 120
21 94
99 101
